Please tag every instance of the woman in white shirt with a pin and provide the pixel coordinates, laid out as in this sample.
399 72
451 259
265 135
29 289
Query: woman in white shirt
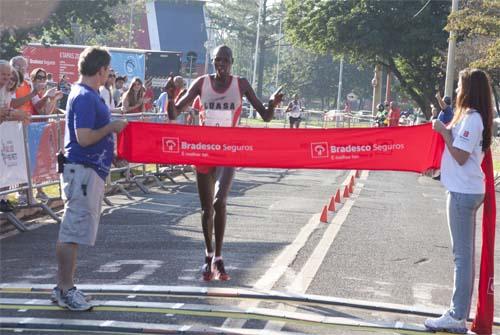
466 139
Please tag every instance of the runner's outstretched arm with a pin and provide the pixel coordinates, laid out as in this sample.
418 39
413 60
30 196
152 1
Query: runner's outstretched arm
267 114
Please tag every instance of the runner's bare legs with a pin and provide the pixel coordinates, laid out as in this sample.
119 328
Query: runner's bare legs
206 186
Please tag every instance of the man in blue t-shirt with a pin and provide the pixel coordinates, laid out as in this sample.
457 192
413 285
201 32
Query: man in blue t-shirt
446 113
89 146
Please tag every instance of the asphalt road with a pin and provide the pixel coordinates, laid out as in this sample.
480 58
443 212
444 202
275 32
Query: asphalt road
387 243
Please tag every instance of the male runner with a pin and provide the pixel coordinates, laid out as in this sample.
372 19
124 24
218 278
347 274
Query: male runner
221 96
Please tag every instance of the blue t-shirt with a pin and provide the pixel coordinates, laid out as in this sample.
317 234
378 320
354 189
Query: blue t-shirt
86 109
446 115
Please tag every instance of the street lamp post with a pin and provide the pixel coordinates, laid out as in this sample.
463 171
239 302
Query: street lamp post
339 92
377 88
278 56
450 62
254 77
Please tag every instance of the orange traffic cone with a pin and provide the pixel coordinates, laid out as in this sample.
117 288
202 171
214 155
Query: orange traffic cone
331 206
324 215
351 184
346 191
358 173
337 196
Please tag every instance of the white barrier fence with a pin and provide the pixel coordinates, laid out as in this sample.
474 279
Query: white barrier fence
28 161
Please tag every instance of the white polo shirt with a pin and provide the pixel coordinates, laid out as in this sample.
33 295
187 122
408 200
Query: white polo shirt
468 136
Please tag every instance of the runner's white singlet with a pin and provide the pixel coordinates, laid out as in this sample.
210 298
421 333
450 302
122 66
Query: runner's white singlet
220 109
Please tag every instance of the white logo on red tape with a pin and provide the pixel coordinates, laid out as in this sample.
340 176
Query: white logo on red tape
319 150
170 144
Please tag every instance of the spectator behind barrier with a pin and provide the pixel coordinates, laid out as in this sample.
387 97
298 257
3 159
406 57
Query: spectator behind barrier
118 90
7 113
149 95
106 93
64 86
45 102
394 114
133 99
446 113
26 91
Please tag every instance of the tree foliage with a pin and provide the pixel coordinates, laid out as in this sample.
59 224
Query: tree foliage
55 26
315 77
235 23
478 27
405 36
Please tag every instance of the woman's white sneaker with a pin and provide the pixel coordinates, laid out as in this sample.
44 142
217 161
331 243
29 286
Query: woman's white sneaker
446 323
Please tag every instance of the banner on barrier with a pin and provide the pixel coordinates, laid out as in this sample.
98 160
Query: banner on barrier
43 147
13 158
415 148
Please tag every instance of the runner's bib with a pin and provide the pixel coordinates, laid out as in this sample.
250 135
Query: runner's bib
218 118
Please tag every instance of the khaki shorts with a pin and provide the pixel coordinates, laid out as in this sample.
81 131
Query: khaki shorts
82 192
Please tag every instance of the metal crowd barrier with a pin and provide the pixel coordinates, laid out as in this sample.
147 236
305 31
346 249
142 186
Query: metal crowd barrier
46 123
49 179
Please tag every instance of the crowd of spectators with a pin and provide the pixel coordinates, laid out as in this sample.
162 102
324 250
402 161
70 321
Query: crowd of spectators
25 94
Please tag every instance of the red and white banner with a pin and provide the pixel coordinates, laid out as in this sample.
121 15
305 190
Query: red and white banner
415 148
54 59
12 154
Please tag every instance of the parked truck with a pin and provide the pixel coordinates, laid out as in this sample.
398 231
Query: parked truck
146 64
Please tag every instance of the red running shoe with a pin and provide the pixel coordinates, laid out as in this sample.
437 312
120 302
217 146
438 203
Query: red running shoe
206 269
219 271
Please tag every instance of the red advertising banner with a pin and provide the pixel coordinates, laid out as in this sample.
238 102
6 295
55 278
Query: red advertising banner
415 148
55 60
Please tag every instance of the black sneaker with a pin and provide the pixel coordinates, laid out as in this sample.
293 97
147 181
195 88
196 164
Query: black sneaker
6 206
206 269
219 271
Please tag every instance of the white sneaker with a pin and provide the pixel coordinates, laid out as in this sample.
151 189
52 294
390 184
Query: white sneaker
55 296
74 300
446 323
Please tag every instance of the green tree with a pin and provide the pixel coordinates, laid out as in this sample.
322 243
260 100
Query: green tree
50 21
478 28
127 15
407 37
235 23
315 77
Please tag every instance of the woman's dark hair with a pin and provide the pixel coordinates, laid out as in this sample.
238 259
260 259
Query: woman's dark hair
92 59
474 92
130 95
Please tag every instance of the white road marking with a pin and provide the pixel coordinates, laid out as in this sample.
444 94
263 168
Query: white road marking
281 264
148 267
311 267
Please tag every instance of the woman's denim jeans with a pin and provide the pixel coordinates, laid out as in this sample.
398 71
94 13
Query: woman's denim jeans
461 214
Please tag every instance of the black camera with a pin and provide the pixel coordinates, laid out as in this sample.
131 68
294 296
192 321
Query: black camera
60 162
